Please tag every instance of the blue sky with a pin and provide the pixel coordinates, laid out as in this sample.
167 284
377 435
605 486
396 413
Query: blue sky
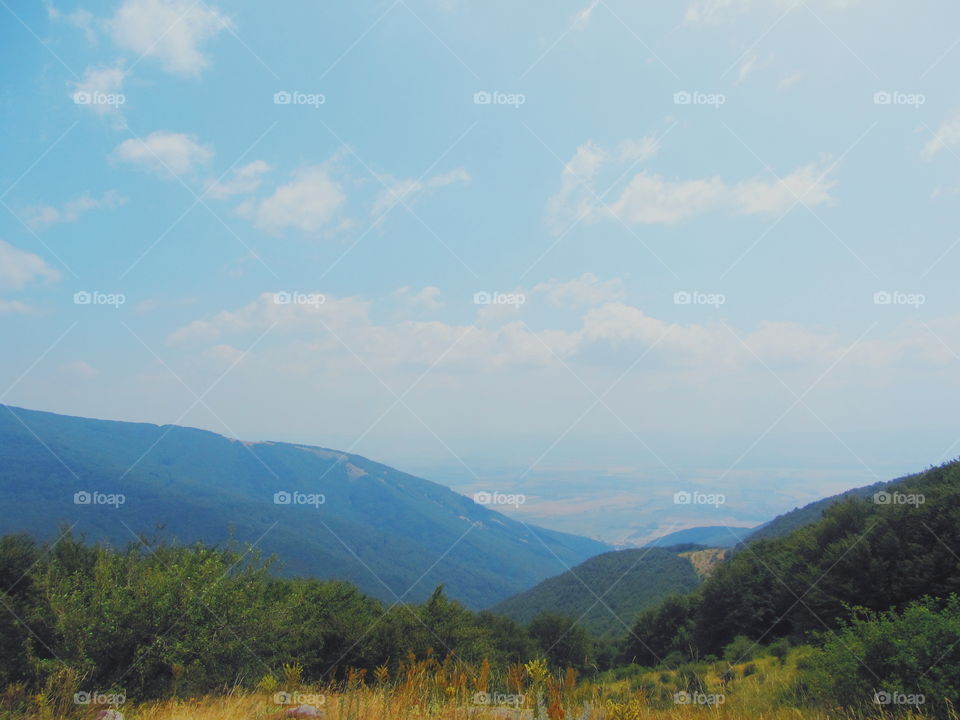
592 251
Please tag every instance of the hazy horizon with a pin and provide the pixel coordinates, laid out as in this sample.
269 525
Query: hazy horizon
590 252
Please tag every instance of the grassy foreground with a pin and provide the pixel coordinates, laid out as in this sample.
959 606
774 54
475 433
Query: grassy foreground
765 688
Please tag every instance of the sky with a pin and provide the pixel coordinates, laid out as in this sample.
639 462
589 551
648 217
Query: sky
596 252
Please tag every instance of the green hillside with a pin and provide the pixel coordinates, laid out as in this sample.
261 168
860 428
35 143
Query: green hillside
626 581
876 553
390 533
809 514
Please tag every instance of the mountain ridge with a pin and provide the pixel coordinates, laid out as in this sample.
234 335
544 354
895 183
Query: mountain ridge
392 534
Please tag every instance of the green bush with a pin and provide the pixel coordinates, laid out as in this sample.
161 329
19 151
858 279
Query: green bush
892 661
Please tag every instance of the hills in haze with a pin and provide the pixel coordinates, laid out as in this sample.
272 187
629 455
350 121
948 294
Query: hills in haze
710 536
605 593
391 534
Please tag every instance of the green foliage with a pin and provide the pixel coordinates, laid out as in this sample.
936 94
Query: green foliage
561 640
861 553
740 650
156 620
628 581
663 635
892 656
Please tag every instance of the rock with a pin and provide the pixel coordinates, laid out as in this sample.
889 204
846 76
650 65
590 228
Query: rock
109 715
305 711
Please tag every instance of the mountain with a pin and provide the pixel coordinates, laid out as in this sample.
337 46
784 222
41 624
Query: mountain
710 536
811 513
875 548
626 581
324 513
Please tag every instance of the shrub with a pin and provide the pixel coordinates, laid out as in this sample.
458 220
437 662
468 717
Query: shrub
892 660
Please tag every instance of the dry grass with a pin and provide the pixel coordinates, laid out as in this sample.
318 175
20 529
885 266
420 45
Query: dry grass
433 690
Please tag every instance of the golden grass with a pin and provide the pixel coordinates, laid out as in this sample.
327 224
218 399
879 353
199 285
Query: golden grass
431 690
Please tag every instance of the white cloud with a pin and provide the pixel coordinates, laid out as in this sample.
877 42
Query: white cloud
19 268
515 375
809 184
14 307
265 312
404 191
788 81
633 151
582 18
427 298
577 198
169 31
38 217
81 19
573 202
242 181
309 202
164 153
649 198
80 369
947 134
100 89
585 290
746 67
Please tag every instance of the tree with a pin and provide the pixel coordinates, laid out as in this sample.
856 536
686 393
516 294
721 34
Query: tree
561 640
